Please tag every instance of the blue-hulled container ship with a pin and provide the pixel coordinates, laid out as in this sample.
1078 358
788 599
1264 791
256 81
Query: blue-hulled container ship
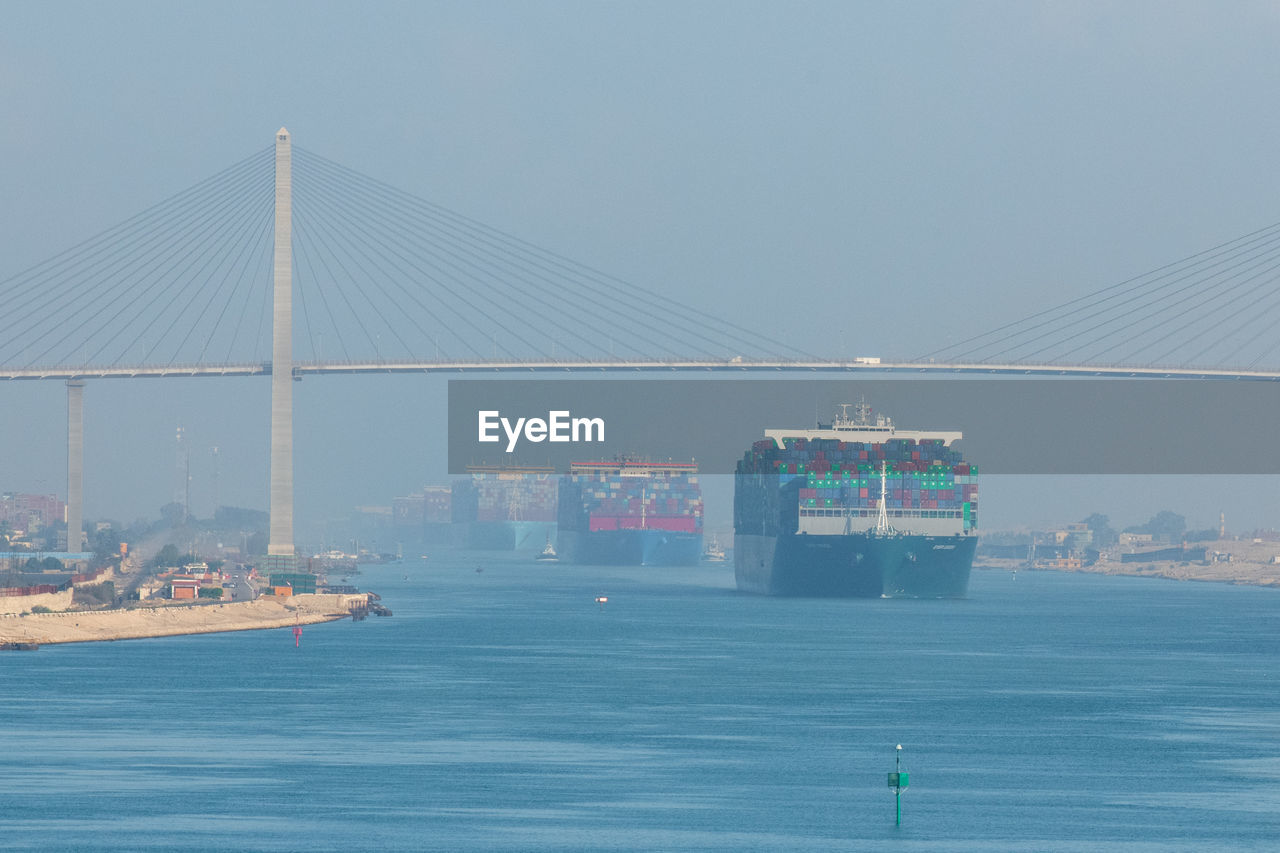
505 508
855 508
630 512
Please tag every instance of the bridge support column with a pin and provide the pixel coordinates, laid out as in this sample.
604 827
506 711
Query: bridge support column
75 465
280 554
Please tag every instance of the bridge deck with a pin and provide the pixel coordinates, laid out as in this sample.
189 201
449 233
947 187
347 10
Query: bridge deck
321 368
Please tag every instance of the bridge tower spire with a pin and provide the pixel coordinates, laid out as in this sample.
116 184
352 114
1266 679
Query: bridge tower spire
280 554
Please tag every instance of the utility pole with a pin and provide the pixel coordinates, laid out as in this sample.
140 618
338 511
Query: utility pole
215 481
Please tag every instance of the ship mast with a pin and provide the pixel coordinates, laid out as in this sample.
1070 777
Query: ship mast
882 521
513 502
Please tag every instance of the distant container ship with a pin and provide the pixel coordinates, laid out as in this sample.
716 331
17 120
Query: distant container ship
630 512
424 517
855 508
503 508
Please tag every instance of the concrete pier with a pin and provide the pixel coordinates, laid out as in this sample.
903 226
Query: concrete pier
75 465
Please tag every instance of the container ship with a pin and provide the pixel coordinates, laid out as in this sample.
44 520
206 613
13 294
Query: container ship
855 508
424 518
502 508
630 512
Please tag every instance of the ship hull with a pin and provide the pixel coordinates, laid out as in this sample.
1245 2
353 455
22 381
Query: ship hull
507 535
857 565
630 547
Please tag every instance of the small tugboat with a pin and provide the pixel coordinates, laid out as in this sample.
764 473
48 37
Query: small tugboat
713 553
548 554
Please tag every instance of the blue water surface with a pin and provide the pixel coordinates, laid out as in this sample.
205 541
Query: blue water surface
505 709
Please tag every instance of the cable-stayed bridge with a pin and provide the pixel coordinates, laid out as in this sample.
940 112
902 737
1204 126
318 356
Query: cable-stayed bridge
220 279
619 366
384 281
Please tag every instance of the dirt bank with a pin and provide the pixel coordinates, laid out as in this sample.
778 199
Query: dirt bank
134 623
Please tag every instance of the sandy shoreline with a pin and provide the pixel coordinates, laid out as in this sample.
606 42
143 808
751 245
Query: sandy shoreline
1246 574
140 622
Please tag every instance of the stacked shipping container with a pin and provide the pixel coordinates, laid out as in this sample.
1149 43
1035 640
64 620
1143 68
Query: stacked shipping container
923 478
502 508
633 495
631 512
505 494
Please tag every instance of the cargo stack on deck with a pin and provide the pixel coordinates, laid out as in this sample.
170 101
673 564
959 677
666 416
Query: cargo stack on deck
630 512
501 508
855 508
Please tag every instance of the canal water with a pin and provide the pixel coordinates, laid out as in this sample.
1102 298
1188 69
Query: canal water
503 708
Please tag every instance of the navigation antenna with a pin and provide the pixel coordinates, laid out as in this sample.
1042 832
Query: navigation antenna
513 500
882 521
862 412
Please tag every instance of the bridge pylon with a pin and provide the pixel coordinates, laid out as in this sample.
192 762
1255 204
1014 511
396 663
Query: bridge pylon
280 552
75 465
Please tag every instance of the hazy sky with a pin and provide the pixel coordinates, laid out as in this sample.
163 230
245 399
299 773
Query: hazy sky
882 175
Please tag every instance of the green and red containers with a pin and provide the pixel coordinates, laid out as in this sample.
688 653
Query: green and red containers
809 520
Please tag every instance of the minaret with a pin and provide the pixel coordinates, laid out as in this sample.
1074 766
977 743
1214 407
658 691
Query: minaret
280 543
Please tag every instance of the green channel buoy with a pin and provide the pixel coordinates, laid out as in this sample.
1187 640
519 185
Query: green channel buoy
898 782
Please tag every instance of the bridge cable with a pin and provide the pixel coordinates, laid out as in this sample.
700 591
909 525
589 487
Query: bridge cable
108 235
357 204
305 257
463 268
351 308
90 288
1162 306
242 233
469 229
1090 298
1150 291
113 294
260 250
627 296
378 263
254 238
200 248
435 250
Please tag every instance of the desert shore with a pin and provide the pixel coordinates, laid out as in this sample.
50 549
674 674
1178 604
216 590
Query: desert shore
166 621
1251 564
